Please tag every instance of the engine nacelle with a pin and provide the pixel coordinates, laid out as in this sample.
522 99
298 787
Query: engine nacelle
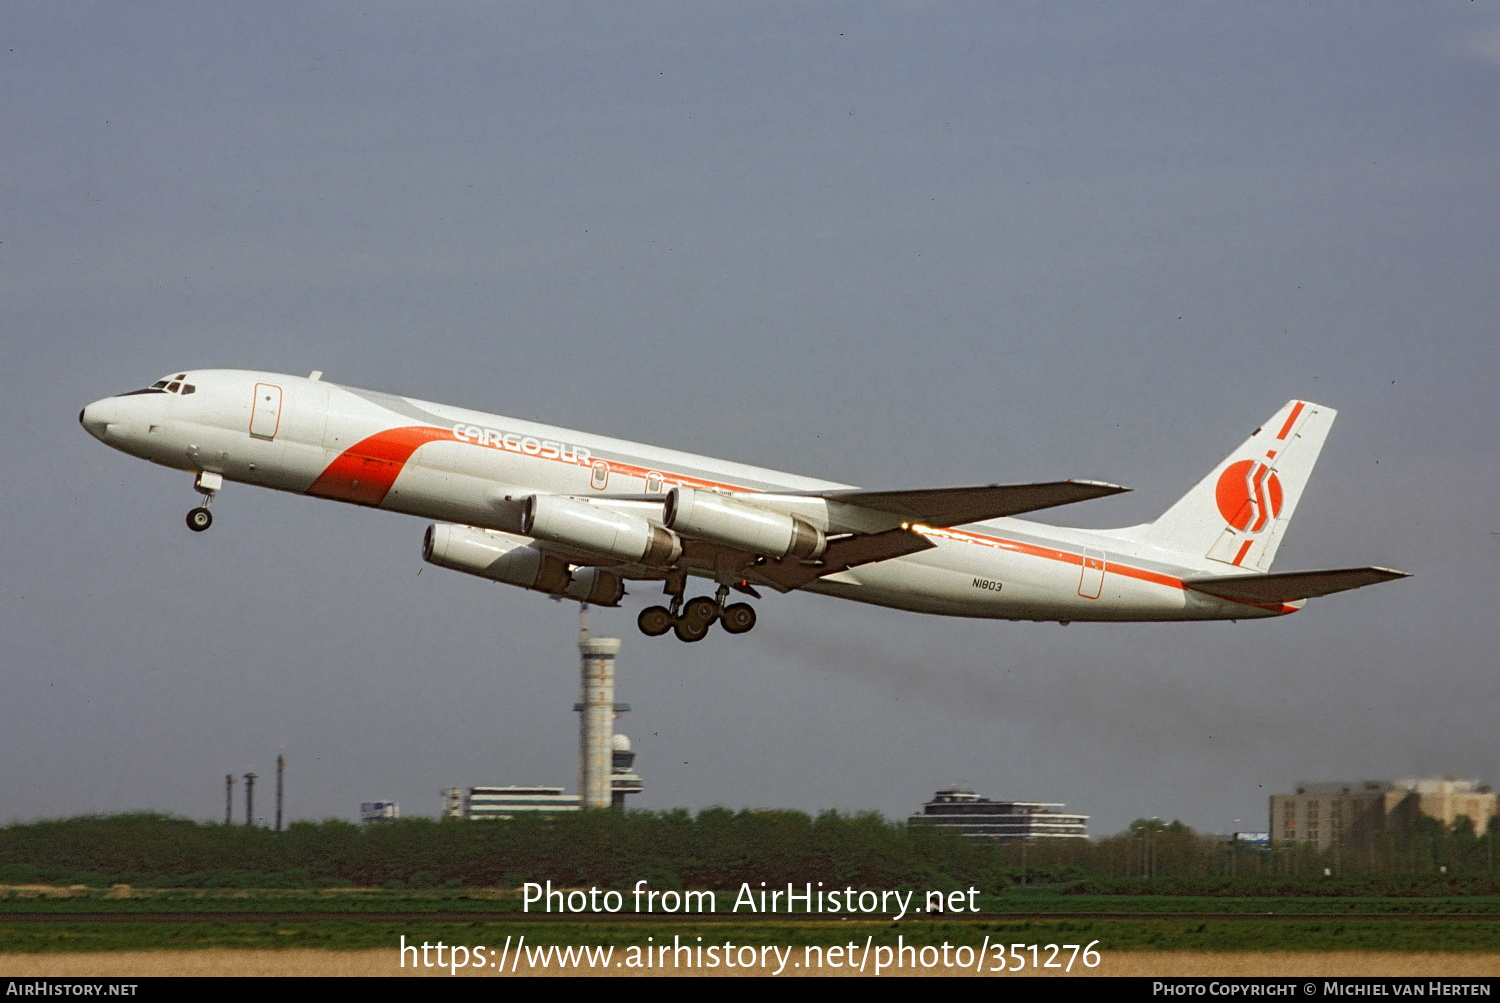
598 530
499 558
595 586
743 525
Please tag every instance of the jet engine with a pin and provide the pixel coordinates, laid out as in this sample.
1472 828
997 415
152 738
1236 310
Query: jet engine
597 529
500 558
744 525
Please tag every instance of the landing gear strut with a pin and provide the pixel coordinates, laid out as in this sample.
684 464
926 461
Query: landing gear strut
208 484
691 621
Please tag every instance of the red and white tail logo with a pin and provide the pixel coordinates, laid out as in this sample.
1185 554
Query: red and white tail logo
1237 513
1249 495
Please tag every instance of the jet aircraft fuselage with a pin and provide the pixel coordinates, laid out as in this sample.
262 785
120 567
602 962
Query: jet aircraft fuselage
579 515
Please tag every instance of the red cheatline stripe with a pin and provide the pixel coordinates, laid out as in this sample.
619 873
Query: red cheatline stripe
363 473
1244 549
1053 554
1124 570
674 480
1290 421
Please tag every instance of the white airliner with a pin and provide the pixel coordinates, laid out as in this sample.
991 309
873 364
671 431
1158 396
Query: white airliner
577 515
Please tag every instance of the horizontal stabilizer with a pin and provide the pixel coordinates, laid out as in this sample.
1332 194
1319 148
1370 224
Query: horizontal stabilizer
1292 585
941 507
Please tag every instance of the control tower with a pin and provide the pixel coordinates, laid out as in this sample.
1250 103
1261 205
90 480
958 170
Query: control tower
605 760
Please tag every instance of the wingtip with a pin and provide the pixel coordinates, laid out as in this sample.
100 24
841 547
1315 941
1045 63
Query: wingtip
1113 489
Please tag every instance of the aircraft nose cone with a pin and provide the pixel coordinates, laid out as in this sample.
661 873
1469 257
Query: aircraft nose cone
93 420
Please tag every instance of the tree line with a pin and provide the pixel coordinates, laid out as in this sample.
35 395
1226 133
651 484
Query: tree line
720 849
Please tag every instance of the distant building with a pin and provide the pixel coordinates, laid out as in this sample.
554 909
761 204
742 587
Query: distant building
379 811
1328 814
506 802
1009 821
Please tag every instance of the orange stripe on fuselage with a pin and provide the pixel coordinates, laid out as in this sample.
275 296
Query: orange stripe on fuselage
363 473
1053 554
615 466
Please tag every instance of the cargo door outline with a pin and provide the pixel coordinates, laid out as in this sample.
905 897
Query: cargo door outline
1091 580
265 411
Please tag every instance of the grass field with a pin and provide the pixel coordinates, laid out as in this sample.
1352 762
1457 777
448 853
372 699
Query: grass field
77 922
1122 934
46 899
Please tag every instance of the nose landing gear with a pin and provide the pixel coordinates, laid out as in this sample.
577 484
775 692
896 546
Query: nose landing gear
208 484
691 621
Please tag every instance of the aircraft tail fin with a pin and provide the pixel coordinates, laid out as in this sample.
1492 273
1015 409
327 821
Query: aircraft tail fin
1237 515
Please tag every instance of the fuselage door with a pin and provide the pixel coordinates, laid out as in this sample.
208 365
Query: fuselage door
265 412
1091 582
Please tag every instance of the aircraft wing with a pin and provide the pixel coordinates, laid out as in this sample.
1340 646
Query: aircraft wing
841 554
941 507
1292 585
875 527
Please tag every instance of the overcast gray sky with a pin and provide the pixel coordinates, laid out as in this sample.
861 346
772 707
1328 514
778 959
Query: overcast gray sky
895 245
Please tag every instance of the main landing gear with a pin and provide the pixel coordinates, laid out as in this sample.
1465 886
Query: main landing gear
691 621
208 484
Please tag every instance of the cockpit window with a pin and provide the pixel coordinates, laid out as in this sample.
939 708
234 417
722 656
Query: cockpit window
170 385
